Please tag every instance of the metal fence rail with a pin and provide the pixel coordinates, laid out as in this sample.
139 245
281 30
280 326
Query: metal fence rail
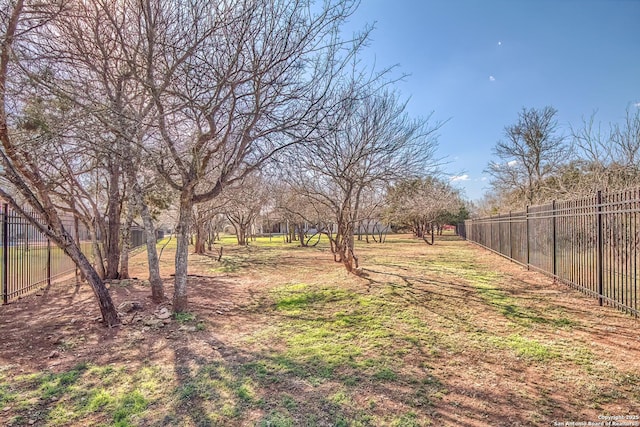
29 261
590 244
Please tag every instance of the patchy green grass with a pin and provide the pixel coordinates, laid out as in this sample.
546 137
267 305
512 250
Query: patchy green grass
85 394
184 317
513 310
528 348
334 332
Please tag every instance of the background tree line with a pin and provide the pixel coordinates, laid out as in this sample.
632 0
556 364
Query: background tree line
537 161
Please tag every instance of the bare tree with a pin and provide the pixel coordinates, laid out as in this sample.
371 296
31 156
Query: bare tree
91 52
607 159
370 143
28 186
303 219
423 205
45 123
232 84
372 223
243 205
206 222
532 151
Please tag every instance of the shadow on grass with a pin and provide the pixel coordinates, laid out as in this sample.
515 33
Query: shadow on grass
268 388
419 290
86 394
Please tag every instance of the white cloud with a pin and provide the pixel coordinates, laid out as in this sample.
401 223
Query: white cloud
637 104
464 177
499 43
492 79
484 178
512 163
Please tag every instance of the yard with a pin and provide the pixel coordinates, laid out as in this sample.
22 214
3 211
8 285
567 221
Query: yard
277 335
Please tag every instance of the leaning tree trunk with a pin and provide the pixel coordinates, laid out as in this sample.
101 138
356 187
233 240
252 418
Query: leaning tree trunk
19 170
97 253
107 309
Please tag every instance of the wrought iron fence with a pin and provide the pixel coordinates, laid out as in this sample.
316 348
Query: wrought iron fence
589 244
29 261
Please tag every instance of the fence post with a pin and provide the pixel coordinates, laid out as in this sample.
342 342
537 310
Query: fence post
526 214
499 235
555 240
599 262
510 238
48 262
5 252
491 232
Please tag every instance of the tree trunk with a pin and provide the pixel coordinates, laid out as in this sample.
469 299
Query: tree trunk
157 287
348 258
126 243
180 302
113 230
210 237
430 231
342 245
107 309
367 226
97 253
76 230
241 235
345 236
200 237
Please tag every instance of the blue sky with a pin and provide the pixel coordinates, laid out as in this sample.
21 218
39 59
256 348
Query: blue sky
479 62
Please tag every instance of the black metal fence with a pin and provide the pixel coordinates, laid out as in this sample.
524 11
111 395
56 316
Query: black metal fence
29 261
590 244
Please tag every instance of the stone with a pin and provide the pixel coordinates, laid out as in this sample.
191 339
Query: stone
163 313
129 306
154 322
187 328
